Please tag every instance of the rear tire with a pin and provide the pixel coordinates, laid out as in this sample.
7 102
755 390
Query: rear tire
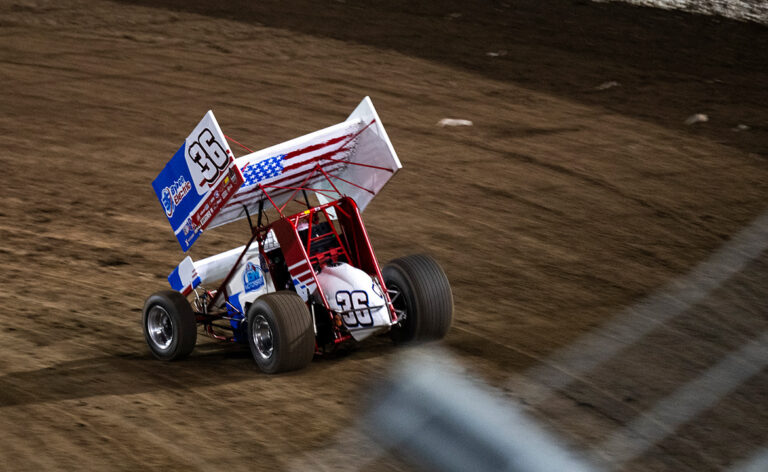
280 332
169 325
424 295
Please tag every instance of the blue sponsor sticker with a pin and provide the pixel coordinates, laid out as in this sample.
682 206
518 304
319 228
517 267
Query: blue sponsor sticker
167 200
253 279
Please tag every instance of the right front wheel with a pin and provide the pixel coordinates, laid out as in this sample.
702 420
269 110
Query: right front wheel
421 295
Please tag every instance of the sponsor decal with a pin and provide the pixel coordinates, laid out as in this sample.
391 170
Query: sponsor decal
253 279
167 200
173 195
189 226
208 209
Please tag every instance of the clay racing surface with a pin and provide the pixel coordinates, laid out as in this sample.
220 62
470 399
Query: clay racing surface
578 193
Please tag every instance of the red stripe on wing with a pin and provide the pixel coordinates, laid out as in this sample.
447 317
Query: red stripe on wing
315 147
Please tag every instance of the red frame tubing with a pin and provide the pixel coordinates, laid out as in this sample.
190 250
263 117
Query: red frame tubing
238 143
293 250
363 247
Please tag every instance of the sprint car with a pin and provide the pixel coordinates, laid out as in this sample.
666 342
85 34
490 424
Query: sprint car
307 280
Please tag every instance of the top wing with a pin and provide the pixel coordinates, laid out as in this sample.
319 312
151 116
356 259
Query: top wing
353 158
203 185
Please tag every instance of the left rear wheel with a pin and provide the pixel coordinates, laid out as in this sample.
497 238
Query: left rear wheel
169 325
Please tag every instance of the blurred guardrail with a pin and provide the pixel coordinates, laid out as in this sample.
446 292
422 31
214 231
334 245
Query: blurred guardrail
441 420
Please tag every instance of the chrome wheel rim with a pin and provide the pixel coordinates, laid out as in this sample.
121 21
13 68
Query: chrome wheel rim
160 327
262 337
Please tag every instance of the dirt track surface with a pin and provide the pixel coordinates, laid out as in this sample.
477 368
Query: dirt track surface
562 206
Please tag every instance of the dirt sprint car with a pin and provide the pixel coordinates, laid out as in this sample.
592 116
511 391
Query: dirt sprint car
306 282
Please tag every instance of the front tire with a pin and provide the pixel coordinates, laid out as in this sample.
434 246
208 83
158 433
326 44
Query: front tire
280 332
169 325
423 295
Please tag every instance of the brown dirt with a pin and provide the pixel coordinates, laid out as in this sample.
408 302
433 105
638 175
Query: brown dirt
562 205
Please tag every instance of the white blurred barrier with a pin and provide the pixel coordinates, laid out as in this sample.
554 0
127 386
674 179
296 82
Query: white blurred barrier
756 463
443 421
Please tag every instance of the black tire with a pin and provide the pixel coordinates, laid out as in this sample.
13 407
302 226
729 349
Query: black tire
169 325
424 295
280 332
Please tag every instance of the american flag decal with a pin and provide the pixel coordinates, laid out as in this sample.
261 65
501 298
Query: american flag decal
268 168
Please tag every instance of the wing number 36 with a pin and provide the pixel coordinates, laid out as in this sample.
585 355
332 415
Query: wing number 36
209 155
